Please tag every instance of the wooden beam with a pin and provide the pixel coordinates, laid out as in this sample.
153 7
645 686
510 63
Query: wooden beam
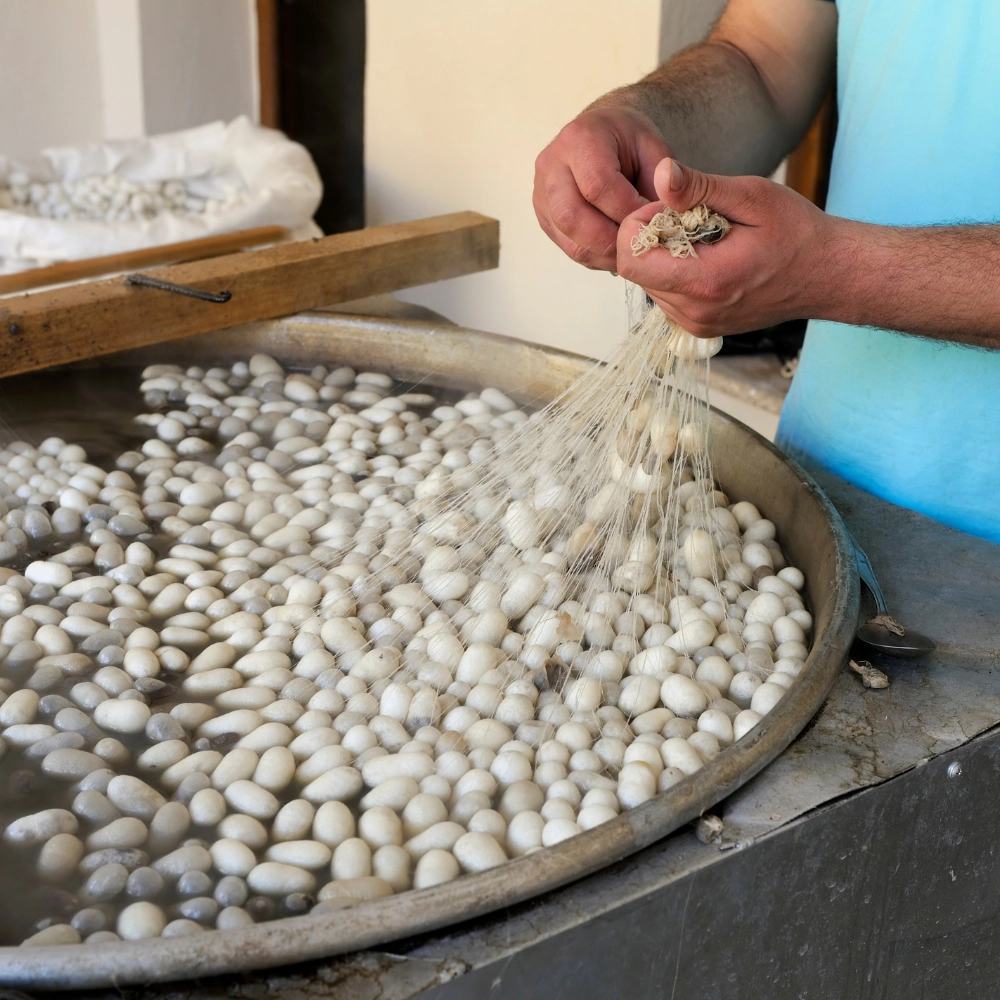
169 253
82 321
267 63
808 167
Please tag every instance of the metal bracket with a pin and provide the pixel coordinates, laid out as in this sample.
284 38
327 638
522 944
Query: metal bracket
144 281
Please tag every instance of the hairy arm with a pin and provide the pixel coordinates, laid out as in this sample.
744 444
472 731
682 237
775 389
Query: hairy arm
935 281
734 104
740 101
785 259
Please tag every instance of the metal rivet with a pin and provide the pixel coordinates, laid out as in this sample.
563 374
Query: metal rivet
954 769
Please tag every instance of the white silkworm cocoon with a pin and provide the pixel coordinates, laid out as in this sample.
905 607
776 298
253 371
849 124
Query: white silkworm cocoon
789 665
706 743
718 724
744 722
715 670
742 688
19 708
424 699
521 525
803 618
766 697
638 695
681 754
122 716
669 777
757 632
379 769
352 858
251 799
636 784
477 852
756 555
693 633
766 608
446 586
59 857
380 826
583 695
643 752
293 821
440 836
524 589
232 857
272 878
656 662
683 696
435 867
510 767
488 733
141 921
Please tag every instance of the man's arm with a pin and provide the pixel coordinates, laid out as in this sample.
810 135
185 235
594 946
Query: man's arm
935 281
736 103
785 259
740 101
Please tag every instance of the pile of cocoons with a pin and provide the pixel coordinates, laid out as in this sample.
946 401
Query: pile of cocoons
245 676
110 198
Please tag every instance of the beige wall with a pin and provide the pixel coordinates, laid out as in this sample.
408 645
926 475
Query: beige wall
460 98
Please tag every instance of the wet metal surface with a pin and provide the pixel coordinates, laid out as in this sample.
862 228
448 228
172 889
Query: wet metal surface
748 466
862 863
950 583
832 879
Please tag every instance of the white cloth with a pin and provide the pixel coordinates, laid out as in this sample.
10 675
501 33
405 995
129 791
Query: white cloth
277 179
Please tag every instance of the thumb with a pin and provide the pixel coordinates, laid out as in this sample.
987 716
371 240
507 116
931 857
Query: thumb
682 188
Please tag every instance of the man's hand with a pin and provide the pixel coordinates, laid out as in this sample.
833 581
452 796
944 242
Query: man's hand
768 269
597 171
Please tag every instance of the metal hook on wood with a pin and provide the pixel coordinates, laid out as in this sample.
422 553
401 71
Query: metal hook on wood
144 281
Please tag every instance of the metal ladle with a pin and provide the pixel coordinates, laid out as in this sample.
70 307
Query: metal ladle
883 632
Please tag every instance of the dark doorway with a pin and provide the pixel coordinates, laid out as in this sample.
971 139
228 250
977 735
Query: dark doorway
312 60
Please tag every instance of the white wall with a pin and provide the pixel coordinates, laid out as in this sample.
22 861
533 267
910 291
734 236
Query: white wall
49 74
199 61
684 22
460 99
119 46
79 70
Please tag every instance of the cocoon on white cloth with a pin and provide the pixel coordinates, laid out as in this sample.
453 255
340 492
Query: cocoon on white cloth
236 176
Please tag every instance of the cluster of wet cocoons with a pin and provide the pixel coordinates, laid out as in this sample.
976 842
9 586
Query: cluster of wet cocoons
110 198
247 684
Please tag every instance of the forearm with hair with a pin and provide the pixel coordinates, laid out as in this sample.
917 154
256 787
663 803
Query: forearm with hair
712 108
938 281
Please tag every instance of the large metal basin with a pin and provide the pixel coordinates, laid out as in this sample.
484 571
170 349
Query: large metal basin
749 468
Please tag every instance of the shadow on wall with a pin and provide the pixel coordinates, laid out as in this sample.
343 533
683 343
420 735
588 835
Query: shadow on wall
321 71
684 22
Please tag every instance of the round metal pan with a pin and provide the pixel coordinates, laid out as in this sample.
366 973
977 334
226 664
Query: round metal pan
748 467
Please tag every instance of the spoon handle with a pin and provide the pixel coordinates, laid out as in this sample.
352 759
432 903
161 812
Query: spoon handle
867 575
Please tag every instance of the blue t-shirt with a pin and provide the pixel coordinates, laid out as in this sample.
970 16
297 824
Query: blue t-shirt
913 420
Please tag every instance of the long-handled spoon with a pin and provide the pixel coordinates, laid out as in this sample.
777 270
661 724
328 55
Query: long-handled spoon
883 632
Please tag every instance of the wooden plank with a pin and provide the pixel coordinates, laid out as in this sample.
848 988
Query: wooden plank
168 253
808 167
87 320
